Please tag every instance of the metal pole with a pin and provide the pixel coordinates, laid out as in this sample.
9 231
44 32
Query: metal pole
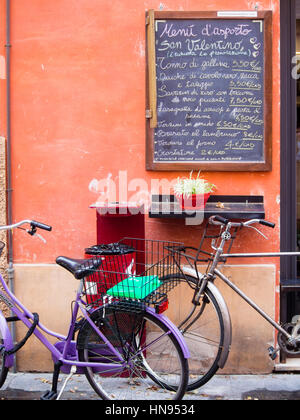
8 157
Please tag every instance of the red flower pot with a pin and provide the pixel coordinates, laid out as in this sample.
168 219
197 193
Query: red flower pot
194 201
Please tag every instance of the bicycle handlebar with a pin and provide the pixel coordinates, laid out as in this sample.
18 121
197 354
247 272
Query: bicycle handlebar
32 223
41 225
266 223
219 220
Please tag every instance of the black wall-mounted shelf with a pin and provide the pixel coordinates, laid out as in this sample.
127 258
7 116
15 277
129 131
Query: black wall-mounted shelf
229 206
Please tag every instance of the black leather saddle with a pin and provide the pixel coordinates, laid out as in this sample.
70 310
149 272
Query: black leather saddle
79 268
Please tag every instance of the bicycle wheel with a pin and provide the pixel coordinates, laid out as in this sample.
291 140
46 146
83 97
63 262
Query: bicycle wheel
203 331
156 344
3 369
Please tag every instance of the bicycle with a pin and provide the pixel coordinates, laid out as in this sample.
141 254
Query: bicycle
207 329
123 345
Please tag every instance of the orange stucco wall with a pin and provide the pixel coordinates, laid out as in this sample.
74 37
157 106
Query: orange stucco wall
78 115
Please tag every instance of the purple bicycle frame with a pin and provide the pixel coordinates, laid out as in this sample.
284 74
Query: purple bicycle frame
65 349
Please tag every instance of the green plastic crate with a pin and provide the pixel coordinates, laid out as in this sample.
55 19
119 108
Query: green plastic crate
135 287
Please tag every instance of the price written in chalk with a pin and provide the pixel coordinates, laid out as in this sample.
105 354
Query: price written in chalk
210 90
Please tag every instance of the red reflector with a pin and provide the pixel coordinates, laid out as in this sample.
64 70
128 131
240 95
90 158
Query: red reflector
162 307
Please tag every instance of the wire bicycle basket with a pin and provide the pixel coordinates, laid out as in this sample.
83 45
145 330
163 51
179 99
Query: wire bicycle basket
139 273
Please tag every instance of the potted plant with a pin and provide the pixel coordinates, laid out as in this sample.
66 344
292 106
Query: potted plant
193 192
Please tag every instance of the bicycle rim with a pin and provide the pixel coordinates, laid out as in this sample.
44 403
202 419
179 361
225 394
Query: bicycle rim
156 344
205 341
203 332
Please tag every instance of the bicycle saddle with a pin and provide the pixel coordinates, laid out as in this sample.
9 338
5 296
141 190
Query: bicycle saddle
79 268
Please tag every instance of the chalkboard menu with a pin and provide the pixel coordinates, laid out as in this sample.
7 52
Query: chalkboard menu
210 91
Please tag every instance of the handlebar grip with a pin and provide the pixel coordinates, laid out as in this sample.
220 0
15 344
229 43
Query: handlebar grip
266 223
221 219
41 225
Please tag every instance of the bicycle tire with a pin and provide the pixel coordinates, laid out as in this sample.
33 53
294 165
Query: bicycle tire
121 328
204 338
3 370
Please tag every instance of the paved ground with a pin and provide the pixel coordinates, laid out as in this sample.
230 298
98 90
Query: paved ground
30 386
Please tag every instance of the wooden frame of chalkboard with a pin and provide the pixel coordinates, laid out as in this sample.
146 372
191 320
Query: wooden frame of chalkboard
209 91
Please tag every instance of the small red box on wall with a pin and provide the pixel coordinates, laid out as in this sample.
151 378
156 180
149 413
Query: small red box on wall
116 221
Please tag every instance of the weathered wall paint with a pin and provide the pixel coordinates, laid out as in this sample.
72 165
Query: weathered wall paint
78 106
78 116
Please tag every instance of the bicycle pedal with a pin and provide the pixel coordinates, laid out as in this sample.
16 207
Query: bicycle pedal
272 353
49 395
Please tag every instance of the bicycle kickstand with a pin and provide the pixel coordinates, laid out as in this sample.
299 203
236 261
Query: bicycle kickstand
53 395
73 370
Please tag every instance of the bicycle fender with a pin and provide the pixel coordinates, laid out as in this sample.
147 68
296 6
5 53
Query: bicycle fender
227 324
173 329
7 340
225 315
